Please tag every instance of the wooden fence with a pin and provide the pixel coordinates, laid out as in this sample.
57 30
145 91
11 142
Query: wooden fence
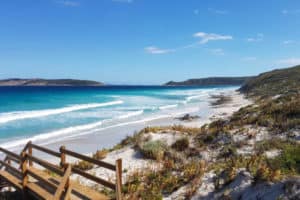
18 176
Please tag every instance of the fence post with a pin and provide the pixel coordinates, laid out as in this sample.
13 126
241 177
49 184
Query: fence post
9 162
62 156
30 152
119 179
68 188
24 173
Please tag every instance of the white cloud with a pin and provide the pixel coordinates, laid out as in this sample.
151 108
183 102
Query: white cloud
69 3
289 61
287 42
259 37
249 58
218 12
290 12
123 1
156 50
219 52
206 37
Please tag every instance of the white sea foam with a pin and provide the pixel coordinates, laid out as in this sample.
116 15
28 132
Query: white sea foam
189 98
53 134
184 102
168 107
74 131
98 130
132 122
131 114
116 117
12 116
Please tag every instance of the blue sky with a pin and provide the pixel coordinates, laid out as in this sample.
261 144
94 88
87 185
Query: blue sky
146 41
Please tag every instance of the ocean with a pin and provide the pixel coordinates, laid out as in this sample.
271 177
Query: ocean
46 115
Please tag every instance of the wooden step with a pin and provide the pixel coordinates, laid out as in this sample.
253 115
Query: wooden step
42 193
78 191
15 182
40 177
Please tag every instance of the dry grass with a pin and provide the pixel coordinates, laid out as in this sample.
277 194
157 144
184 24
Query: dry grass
152 184
100 154
83 165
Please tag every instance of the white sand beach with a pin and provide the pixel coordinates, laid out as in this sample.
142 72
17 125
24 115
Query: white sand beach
131 159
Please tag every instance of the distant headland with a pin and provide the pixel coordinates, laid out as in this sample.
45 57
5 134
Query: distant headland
211 81
48 82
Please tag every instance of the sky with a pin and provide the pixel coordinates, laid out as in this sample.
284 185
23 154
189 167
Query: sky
146 41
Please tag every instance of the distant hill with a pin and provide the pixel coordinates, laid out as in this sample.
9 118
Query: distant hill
211 81
48 82
276 82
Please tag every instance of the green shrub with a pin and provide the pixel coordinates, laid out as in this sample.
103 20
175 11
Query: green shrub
83 165
154 150
204 139
288 161
208 138
280 114
151 195
274 143
181 144
133 140
228 151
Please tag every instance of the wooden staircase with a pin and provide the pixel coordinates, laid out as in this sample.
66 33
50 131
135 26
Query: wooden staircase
17 171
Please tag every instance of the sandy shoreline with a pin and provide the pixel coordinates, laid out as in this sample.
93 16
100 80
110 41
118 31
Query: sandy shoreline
132 160
87 144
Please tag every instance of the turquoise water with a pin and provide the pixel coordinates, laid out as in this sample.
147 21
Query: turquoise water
45 114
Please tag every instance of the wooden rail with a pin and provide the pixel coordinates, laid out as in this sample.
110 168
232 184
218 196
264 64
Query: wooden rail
61 189
117 168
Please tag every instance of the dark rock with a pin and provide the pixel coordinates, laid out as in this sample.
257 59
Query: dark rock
188 117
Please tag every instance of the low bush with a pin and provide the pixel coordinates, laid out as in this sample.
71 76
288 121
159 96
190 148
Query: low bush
100 154
154 150
134 139
279 114
228 151
153 184
83 165
181 144
288 161
203 140
273 143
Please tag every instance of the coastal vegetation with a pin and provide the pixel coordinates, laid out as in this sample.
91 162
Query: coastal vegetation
255 150
259 140
48 82
176 166
211 81
277 82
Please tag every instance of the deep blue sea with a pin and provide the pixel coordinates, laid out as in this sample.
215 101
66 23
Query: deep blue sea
45 114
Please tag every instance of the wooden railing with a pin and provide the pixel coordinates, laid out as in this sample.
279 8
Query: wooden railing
26 161
61 191
117 186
